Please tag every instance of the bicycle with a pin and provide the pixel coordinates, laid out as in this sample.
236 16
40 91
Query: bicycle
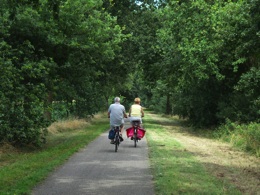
117 137
135 132
136 125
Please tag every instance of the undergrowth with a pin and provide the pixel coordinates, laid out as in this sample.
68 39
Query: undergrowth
246 137
21 169
175 169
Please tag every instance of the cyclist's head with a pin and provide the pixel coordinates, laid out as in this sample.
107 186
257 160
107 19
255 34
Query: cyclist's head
117 99
137 100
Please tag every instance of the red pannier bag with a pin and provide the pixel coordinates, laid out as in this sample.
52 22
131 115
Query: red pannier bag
130 132
140 133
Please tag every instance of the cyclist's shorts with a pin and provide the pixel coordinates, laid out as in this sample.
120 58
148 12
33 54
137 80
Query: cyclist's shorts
135 118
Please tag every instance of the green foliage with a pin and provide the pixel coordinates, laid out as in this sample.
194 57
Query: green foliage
22 95
158 100
91 44
244 137
245 104
209 60
52 51
21 170
175 170
60 110
197 59
137 23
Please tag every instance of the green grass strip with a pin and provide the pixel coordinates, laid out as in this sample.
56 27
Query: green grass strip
29 168
175 170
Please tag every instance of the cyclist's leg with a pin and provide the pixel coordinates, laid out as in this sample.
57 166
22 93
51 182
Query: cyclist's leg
112 140
120 133
121 128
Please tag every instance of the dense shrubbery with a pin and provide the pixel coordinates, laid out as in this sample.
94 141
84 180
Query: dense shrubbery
196 59
53 51
209 61
245 137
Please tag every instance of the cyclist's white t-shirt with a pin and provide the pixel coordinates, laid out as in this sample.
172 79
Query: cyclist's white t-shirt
116 111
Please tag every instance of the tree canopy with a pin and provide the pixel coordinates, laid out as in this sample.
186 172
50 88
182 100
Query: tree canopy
61 58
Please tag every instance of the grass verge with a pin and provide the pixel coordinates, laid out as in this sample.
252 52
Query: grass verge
21 170
175 170
245 137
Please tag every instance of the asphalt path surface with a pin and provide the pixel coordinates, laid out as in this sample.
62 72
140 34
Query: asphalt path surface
98 169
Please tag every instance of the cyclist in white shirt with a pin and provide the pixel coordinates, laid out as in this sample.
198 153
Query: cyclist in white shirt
117 113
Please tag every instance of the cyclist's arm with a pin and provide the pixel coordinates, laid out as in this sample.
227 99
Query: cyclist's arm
130 110
124 113
142 112
109 111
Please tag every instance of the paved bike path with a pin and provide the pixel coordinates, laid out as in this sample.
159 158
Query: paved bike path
98 169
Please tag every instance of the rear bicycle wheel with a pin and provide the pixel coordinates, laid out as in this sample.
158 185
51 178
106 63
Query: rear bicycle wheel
135 137
116 143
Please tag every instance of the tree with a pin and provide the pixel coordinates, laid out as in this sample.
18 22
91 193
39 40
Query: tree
54 50
205 49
